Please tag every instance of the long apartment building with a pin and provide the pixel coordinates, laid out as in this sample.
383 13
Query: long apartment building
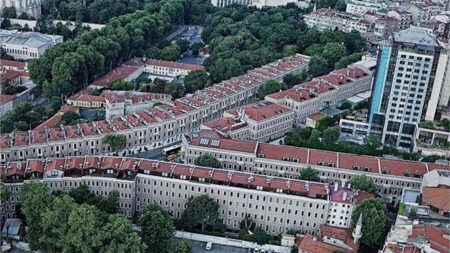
275 204
311 97
391 176
154 127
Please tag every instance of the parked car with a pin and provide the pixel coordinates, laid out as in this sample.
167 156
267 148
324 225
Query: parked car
209 245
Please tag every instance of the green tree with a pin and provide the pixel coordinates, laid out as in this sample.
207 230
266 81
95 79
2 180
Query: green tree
333 52
183 44
171 53
9 12
314 138
374 221
83 235
330 135
291 80
157 228
4 193
260 236
196 80
82 195
446 124
289 50
363 183
309 174
69 118
270 87
55 224
121 85
223 69
174 89
196 47
183 246
5 24
34 197
207 160
154 53
116 142
347 60
117 236
201 210
109 204
372 141
317 66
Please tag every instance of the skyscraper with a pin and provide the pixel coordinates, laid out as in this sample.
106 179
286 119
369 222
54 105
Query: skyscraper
407 86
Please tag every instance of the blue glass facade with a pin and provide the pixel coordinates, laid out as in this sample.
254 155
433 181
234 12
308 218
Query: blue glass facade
378 88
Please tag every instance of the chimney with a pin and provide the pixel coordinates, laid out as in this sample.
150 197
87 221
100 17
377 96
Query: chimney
335 187
344 196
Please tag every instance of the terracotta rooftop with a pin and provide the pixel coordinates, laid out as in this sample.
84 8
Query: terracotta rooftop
14 64
176 65
314 157
6 98
433 196
261 111
158 168
438 238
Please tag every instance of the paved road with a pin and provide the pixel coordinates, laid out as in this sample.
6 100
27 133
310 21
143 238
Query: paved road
199 247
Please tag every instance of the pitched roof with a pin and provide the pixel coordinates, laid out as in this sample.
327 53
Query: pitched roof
433 196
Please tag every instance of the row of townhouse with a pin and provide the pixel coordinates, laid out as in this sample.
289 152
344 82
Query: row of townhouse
311 97
155 127
275 204
391 176
262 121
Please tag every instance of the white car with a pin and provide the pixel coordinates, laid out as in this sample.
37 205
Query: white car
209 245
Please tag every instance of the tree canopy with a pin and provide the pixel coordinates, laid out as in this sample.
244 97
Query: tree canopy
57 223
309 174
207 160
157 228
200 211
183 246
248 37
374 221
270 87
115 141
362 182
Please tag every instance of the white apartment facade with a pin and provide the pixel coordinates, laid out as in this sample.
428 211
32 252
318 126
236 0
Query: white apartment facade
391 176
27 45
275 204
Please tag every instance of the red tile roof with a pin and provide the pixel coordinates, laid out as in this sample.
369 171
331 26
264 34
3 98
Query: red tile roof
262 110
287 152
434 235
176 65
15 64
6 98
433 196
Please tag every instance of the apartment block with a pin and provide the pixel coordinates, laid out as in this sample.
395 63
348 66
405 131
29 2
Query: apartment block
311 97
154 127
390 175
276 204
